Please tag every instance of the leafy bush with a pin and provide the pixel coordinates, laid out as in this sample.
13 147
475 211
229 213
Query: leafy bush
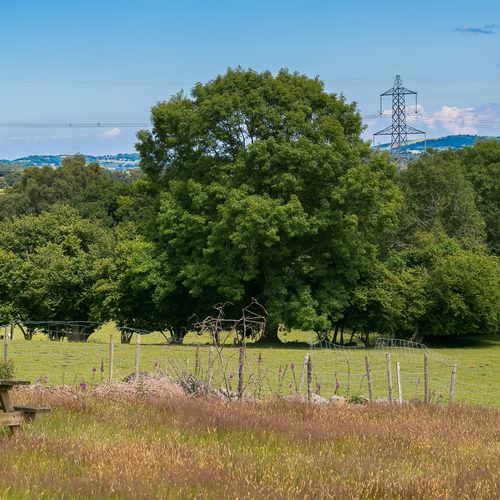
6 369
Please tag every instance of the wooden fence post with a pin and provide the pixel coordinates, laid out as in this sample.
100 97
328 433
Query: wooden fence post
303 374
400 388
210 367
197 364
426 378
309 378
6 345
452 384
369 378
137 355
111 359
389 375
241 367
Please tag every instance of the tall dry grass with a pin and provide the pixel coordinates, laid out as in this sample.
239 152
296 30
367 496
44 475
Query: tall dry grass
153 442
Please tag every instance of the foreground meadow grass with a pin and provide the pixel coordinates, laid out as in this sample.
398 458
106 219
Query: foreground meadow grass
143 445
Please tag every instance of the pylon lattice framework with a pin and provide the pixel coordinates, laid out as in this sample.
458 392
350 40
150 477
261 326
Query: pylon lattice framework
399 130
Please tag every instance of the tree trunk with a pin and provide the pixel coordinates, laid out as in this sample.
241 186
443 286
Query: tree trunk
270 334
334 339
342 335
28 332
366 338
417 336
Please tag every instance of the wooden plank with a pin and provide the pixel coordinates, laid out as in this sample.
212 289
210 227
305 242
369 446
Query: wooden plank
9 383
28 409
13 418
5 401
8 408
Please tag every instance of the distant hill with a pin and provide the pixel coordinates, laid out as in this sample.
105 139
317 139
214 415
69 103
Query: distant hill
120 161
454 141
125 161
441 143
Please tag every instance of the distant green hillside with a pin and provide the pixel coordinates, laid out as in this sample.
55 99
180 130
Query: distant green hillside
452 141
120 161
448 142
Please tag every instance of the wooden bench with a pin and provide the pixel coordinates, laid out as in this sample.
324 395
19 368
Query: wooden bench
29 412
15 416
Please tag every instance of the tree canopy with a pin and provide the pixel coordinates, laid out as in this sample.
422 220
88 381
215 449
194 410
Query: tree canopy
48 265
90 189
438 195
265 190
482 169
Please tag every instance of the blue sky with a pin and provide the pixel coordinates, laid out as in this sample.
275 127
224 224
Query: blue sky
109 61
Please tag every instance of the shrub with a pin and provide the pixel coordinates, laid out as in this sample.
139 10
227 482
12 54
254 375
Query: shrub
6 369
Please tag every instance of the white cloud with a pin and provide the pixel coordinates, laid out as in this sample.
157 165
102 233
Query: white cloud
448 120
457 120
452 119
112 133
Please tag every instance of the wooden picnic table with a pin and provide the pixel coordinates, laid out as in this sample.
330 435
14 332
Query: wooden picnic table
15 416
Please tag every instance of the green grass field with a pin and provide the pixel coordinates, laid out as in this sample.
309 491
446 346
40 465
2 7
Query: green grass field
269 369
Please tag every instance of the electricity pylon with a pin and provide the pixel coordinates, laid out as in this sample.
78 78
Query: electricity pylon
399 130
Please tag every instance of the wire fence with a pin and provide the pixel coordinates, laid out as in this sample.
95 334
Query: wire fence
396 370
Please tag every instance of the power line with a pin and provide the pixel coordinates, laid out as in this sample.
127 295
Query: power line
74 125
90 82
429 119
155 83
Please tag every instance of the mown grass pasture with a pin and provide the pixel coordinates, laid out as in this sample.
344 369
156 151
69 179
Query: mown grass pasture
335 371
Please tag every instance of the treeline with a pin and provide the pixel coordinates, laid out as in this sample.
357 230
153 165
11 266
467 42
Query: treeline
10 174
259 186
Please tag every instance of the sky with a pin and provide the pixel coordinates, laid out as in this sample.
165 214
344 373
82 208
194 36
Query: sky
109 61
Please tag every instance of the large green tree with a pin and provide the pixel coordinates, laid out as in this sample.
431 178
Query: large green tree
264 189
437 286
49 265
482 169
438 196
458 284
126 290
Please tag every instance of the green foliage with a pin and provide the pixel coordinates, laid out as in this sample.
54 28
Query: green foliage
10 174
463 293
458 192
88 188
435 287
48 264
258 186
7 369
482 167
265 190
126 283
449 284
452 290
438 195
